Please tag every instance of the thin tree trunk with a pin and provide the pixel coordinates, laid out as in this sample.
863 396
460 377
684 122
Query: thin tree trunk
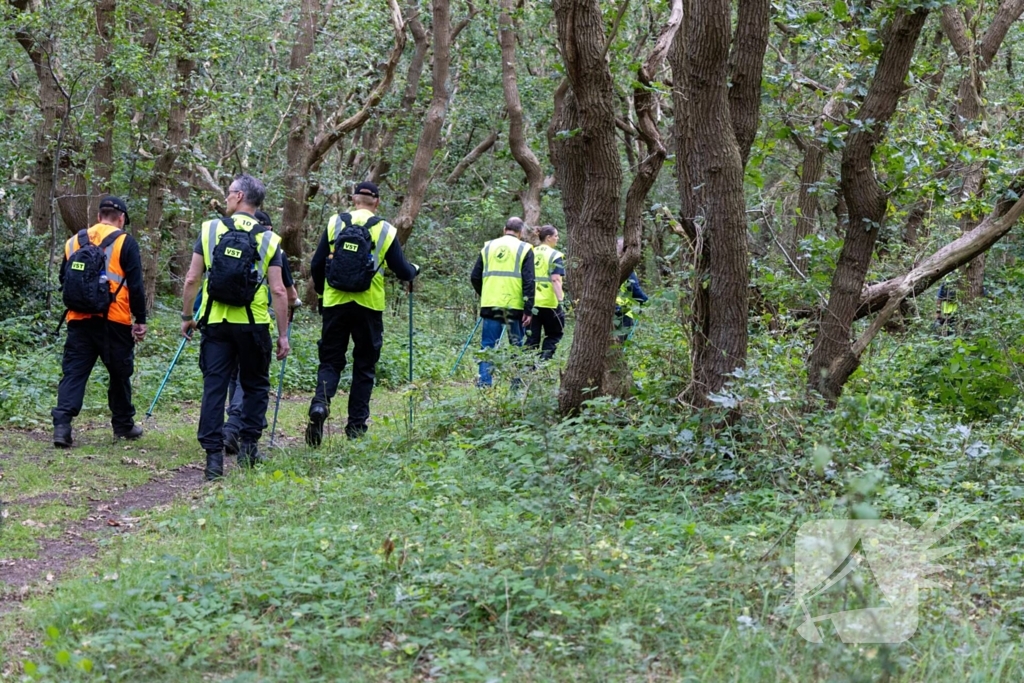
517 141
811 172
164 164
976 59
419 174
297 151
103 146
52 107
421 40
746 65
472 157
866 202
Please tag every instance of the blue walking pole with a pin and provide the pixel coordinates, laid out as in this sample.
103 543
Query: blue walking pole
464 347
410 358
167 375
280 387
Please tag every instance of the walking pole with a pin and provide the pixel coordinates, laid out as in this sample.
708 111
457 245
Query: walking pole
167 375
280 386
410 358
632 329
464 347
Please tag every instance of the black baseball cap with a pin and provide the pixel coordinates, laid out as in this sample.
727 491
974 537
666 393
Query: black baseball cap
111 202
367 188
263 219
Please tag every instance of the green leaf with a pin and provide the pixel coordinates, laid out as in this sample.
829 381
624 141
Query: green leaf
63 657
814 17
85 665
840 10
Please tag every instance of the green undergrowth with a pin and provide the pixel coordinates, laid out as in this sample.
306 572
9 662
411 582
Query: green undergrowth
637 541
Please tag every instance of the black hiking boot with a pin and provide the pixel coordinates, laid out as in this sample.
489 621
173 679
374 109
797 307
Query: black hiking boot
355 431
62 436
315 428
230 442
131 435
249 456
214 465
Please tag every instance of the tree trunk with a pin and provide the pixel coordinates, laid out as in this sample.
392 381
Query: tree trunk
812 170
517 141
866 203
298 147
304 157
710 175
592 187
421 40
52 107
151 240
746 65
103 146
419 174
976 58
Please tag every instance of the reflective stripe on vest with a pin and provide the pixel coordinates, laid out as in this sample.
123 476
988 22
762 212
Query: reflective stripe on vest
502 281
383 235
544 262
120 309
267 245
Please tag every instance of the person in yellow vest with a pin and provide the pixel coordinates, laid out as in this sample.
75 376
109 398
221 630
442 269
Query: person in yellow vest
628 301
549 269
241 260
503 276
108 336
357 316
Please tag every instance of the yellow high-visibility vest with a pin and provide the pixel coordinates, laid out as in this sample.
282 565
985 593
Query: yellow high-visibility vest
543 263
382 234
503 260
268 244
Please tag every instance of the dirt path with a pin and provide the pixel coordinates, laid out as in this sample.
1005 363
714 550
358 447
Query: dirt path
78 542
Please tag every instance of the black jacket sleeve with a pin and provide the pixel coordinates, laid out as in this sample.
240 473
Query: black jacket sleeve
131 264
477 276
395 259
529 283
286 270
318 266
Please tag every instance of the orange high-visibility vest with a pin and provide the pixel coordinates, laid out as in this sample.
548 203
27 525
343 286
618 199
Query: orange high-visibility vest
120 311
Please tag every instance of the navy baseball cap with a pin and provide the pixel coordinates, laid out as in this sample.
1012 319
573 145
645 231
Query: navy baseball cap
111 202
367 188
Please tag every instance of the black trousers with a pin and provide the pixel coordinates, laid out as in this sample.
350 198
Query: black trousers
87 341
365 327
552 322
224 347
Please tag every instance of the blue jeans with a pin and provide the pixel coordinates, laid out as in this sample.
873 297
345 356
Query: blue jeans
492 330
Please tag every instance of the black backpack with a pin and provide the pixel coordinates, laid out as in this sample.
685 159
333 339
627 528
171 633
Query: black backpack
350 268
235 268
86 287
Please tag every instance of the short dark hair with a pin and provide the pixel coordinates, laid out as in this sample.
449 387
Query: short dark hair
108 214
515 224
252 188
546 231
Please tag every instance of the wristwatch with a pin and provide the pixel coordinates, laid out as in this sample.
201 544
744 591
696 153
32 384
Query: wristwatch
185 317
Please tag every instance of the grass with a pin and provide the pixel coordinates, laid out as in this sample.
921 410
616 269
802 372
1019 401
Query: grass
492 542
